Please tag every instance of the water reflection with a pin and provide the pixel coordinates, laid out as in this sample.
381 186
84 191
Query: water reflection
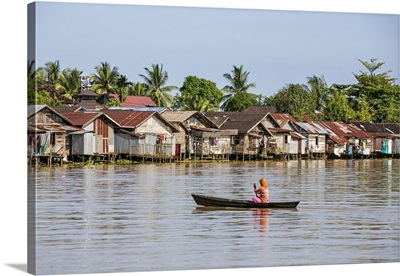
261 219
113 218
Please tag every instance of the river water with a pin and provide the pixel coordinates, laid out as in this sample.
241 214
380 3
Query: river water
131 218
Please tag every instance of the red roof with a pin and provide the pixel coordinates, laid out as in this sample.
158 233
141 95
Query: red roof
81 118
128 118
138 101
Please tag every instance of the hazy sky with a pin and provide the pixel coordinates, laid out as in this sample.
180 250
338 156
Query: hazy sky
276 47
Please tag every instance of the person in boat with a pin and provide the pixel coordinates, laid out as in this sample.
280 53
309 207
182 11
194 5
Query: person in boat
262 193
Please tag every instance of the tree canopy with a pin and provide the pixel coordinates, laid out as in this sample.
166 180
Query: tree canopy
199 94
374 96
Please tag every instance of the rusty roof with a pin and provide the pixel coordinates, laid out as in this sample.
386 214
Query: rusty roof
138 101
283 118
128 118
82 118
312 128
345 130
133 119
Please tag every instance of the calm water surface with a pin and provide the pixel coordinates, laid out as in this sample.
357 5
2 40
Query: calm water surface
142 217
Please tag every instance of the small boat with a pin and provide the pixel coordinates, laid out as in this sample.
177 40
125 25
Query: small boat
210 201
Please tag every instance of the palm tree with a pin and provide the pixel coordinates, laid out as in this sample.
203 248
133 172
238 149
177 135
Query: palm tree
68 83
53 72
156 79
320 90
122 87
202 105
238 83
139 89
106 78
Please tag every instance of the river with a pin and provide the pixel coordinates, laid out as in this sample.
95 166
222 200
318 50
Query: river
135 218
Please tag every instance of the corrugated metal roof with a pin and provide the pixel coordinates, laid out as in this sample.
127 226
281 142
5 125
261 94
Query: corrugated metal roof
138 101
82 118
312 128
128 118
52 128
138 108
178 116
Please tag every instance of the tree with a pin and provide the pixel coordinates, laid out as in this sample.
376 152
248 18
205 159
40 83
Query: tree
379 90
294 99
53 71
242 101
68 83
337 108
319 90
105 81
199 94
122 87
157 79
139 89
238 83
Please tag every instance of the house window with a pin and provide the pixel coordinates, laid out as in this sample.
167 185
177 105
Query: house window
316 141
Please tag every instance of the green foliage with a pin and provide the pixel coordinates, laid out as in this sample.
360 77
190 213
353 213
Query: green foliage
139 89
242 101
113 102
68 83
238 83
156 79
294 99
105 79
337 108
374 97
379 91
198 94
43 97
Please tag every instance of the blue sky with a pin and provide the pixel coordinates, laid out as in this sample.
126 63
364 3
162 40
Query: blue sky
276 46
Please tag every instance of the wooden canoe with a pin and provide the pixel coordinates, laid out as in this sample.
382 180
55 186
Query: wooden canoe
223 202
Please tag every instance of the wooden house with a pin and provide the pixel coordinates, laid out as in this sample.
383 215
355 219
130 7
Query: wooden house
287 138
385 136
197 135
96 139
142 134
248 131
316 138
48 133
336 138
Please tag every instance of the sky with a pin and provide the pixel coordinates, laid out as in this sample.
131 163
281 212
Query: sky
13 24
276 47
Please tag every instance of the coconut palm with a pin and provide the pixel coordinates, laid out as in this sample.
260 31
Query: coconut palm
202 105
122 87
156 79
238 83
68 83
139 89
105 81
319 89
52 72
